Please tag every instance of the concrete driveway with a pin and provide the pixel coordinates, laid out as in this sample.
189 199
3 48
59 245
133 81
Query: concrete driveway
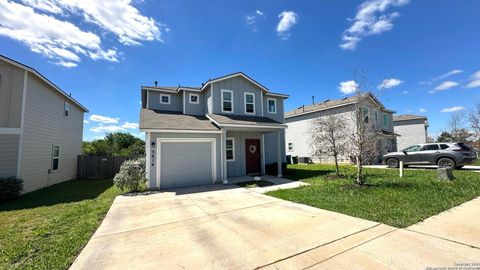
226 227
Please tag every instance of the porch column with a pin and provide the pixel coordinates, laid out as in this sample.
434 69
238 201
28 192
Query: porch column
279 154
224 156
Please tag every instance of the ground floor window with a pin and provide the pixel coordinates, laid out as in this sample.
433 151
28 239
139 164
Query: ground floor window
55 157
230 149
290 146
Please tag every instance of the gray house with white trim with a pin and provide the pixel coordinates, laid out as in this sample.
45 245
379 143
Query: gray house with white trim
230 126
41 127
413 129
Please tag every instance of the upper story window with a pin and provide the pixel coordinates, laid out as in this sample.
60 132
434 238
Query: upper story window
66 109
230 149
227 101
271 105
55 157
249 103
164 99
194 98
365 115
385 120
377 119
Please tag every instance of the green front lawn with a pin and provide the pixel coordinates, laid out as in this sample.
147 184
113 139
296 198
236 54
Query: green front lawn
475 163
389 199
46 229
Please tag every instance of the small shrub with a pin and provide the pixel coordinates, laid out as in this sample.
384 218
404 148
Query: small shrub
10 187
131 176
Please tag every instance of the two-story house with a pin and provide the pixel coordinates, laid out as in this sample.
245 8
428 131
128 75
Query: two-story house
230 126
413 129
41 127
300 120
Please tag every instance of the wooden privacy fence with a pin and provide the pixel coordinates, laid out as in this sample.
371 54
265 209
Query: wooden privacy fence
99 167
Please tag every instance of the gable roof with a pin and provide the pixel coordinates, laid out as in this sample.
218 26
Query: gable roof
168 120
43 78
233 75
334 103
405 117
243 120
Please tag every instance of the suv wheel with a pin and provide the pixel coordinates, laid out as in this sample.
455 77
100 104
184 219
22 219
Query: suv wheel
392 163
446 163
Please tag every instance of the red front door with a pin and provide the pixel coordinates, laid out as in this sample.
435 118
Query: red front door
252 156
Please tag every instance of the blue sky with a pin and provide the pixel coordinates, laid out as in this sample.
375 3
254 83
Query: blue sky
426 51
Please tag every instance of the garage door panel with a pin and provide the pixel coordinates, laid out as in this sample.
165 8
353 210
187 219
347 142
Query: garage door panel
185 164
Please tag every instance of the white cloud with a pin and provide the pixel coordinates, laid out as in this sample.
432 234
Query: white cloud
474 80
128 125
422 110
251 20
348 87
119 17
405 92
443 76
453 109
60 41
390 83
444 86
287 20
86 121
371 19
103 119
108 128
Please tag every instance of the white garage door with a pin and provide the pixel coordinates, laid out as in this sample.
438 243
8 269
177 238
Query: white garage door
185 164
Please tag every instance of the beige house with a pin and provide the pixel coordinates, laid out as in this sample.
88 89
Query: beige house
412 129
40 127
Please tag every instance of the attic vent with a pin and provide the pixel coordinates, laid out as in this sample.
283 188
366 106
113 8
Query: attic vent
326 101
344 98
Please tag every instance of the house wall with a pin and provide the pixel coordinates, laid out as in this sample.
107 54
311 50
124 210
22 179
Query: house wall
280 108
192 108
8 154
44 126
176 101
271 147
411 132
155 135
11 91
239 86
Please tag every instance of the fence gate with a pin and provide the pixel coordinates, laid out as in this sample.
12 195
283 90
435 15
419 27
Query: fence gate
99 167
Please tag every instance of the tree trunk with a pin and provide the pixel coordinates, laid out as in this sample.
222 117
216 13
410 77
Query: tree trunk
359 179
337 171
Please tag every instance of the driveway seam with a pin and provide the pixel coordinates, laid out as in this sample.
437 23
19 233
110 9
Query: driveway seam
443 238
321 245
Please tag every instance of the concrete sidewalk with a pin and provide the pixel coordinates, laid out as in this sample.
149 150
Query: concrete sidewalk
227 227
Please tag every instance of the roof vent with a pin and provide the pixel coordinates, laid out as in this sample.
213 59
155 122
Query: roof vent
326 101
156 83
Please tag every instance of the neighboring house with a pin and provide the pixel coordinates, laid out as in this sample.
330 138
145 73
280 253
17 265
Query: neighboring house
40 127
230 126
411 128
299 121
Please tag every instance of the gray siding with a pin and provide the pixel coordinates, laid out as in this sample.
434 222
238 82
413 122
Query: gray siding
209 100
271 147
44 126
238 166
192 108
154 136
280 110
411 132
239 86
176 101
8 155
11 91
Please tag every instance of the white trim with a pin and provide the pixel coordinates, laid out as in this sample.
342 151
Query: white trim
278 126
22 124
10 131
159 89
165 95
245 102
233 148
190 95
232 100
148 99
262 145
268 106
233 76
212 141
29 69
319 110
277 95
261 97
178 130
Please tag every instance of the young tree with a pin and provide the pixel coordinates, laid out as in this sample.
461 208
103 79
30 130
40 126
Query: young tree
363 139
445 136
328 138
457 126
474 119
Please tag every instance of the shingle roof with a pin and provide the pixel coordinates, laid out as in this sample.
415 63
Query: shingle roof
330 104
404 117
154 119
243 120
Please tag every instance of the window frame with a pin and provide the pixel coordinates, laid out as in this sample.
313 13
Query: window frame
66 109
233 149
245 102
165 95
231 100
190 95
290 146
377 119
385 120
366 115
53 157
268 105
